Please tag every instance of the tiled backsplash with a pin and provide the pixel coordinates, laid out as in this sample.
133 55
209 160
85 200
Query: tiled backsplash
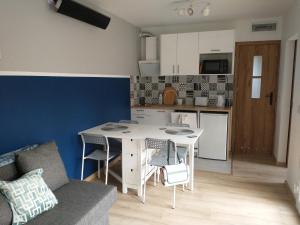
187 87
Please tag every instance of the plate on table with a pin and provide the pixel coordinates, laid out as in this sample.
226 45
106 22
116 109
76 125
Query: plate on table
114 127
179 131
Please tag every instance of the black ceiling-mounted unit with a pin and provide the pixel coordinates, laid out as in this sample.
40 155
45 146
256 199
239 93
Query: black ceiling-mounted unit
80 12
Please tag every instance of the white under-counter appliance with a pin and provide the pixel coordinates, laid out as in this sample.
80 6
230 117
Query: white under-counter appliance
186 117
213 141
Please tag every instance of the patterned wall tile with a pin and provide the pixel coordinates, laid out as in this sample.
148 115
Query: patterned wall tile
212 86
155 79
189 101
176 86
162 79
182 86
148 93
182 94
222 79
155 94
197 86
154 86
229 86
148 86
204 79
161 86
197 93
204 93
190 79
204 87
213 79
187 87
182 79
175 79
221 86
190 94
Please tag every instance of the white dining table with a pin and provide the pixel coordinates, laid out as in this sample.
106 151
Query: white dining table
133 139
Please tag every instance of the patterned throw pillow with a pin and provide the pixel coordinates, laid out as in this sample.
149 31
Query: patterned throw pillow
28 196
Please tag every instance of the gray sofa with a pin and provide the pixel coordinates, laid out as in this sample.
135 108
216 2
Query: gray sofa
80 203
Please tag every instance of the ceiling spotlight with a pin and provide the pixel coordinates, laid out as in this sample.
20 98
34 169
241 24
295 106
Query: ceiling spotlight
206 10
190 11
191 7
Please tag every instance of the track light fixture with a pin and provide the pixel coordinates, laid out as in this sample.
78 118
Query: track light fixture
191 7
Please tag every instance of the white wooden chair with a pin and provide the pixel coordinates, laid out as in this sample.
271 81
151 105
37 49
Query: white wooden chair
99 155
166 154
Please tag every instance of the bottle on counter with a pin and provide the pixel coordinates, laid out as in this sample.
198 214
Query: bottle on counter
160 99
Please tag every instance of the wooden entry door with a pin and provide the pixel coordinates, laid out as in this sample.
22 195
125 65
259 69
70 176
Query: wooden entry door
256 80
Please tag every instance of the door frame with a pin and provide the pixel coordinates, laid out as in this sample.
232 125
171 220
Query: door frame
292 99
236 77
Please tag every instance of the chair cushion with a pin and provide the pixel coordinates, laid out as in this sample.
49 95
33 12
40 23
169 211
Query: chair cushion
44 156
80 203
161 157
28 196
6 215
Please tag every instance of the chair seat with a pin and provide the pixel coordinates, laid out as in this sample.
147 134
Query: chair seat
161 158
102 155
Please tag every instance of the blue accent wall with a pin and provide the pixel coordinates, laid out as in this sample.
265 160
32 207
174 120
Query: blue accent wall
39 109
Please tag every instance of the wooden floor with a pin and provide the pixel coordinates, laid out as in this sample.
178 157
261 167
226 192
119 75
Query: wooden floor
218 199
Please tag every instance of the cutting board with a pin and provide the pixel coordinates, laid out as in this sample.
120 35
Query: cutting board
169 96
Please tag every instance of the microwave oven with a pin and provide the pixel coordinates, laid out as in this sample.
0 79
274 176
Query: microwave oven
215 67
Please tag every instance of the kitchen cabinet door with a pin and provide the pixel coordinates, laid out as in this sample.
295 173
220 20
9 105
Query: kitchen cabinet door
151 116
187 54
168 54
160 117
222 41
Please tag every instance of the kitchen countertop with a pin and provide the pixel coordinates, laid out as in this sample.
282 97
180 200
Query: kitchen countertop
185 107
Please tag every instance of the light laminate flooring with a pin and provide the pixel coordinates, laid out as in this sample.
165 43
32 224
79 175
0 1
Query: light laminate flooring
218 199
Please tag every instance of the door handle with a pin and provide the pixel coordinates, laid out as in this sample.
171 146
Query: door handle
178 69
270 96
173 69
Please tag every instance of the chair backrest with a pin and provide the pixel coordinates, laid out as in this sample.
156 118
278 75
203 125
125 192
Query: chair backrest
93 139
178 125
162 145
129 121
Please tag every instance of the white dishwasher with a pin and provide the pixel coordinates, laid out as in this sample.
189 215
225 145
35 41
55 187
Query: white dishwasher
213 141
186 117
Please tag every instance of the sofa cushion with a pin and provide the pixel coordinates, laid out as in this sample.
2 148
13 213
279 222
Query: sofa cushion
44 156
80 203
5 212
9 172
28 196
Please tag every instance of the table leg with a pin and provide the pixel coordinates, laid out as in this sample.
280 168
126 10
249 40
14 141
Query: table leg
191 166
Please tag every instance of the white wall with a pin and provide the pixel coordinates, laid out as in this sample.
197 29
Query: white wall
291 24
243 29
35 38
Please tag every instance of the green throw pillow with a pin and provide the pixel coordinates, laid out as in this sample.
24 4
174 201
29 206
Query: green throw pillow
28 196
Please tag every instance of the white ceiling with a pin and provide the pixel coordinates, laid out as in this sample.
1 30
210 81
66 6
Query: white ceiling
144 13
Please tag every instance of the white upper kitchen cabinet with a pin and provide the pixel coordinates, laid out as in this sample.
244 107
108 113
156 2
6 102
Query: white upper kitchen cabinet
179 54
168 54
187 54
222 41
